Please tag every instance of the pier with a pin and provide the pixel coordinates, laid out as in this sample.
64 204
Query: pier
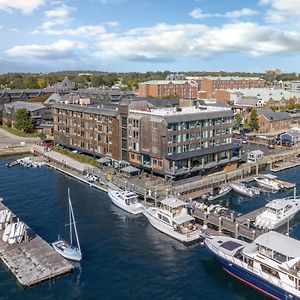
238 227
33 260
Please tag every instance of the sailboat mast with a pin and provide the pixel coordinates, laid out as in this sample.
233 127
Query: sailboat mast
70 217
73 222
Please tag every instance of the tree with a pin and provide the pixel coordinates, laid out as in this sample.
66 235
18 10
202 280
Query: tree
253 123
23 120
238 120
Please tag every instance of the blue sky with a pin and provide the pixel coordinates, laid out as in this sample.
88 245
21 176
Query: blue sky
149 35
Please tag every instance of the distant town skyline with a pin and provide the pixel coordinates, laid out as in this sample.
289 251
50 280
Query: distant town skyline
149 35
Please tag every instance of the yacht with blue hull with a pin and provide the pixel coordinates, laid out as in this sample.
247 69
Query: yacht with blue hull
270 264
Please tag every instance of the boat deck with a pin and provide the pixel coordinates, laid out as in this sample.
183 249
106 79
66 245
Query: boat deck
33 260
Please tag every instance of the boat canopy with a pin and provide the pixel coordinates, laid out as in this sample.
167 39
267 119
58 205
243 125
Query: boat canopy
279 204
270 176
183 219
279 243
173 202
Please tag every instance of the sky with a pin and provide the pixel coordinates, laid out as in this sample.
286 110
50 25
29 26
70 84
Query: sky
149 35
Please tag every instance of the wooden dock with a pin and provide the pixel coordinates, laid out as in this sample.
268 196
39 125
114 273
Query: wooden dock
225 224
32 261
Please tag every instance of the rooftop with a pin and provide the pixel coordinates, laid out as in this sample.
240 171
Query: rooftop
282 203
173 202
279 243
272 115
165 82
177 111
265 93
30 106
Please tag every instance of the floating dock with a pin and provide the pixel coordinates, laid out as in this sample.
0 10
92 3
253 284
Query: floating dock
33 260
234 226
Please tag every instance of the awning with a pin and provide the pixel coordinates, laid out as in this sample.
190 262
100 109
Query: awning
130 169
183 219
104 160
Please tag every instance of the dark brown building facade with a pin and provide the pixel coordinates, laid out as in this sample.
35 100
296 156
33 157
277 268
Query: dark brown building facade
93 130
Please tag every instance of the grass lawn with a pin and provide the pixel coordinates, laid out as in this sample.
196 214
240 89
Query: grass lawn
18 132
79 157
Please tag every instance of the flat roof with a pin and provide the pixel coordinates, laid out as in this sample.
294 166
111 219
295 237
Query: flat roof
280 243
173 202
281 203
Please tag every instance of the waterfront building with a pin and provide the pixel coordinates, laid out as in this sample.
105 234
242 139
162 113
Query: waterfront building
92 129
180 141
169 141
273 122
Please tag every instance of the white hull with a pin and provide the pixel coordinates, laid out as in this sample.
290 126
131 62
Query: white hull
279 223
134 209
270 186
244 191
76 256
169 230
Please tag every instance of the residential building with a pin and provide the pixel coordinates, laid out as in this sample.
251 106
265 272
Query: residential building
295 86
92 129
168 88
36 110
181 88
273 122
180 141
292 136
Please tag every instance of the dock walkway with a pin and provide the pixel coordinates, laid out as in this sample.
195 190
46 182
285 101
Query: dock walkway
32 261
234 226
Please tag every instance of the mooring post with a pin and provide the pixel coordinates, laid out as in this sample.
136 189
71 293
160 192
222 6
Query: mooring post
220 224
248 223
236 230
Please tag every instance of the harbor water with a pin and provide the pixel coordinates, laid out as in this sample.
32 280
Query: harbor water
124 257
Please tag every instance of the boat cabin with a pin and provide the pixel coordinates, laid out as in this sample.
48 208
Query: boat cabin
279 208
174 205
129 197
278 247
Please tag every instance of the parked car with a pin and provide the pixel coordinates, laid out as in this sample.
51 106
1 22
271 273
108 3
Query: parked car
245 141
271 146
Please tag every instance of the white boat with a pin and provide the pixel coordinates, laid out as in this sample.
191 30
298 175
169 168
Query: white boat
126 200
270 264
173 219
67 249
268 183
217 193
277 213
243 190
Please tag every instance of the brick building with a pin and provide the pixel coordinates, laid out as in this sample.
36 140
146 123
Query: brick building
205 85
273 122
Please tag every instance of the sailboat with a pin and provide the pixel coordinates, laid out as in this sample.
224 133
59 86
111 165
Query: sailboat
64 248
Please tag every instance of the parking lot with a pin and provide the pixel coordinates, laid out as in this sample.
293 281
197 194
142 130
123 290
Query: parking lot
251 146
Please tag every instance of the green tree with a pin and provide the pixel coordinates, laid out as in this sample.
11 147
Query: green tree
23 120
31 83
253 123
97 81
238 120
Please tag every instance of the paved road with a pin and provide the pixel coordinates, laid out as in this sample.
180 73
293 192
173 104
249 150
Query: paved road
254 146
8 139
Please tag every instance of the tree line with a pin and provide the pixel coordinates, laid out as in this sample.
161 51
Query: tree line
130 80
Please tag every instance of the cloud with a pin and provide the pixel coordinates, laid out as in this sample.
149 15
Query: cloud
281 11
25 6
57 20
164 43
81 31
60 49
111 1
59 12
198 13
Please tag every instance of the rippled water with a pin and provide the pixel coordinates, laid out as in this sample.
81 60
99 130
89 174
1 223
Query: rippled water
124 257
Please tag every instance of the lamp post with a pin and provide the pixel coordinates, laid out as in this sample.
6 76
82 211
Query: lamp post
125 184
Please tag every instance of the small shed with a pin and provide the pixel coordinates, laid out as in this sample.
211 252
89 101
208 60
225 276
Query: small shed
105 161
130 171
254 156
291 136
